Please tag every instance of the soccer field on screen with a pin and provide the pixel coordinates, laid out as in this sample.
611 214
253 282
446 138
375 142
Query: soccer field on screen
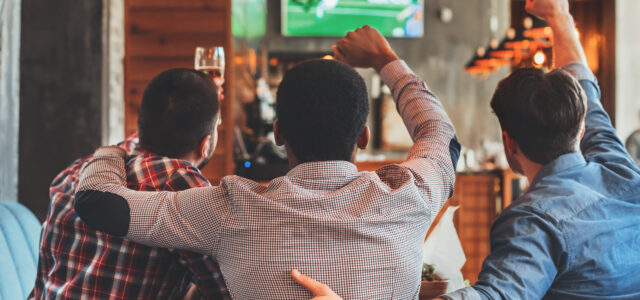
397 18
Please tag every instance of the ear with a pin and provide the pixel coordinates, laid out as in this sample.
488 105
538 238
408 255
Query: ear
510 144
583 130
203 150
277 134
363 140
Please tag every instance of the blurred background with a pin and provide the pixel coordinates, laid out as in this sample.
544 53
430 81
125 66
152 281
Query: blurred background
73 73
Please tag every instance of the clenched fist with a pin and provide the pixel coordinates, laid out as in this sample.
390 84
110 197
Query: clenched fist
364 48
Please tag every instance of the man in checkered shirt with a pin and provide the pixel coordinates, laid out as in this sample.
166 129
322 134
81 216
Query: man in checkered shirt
359 232
77 262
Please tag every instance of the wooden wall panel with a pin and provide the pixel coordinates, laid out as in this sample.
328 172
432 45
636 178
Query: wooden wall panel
144 68
163 34
149 21
170 45
476 194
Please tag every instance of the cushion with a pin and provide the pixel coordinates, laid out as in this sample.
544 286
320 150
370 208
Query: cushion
19 236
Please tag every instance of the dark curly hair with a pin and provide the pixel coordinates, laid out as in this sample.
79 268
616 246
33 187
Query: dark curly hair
322 108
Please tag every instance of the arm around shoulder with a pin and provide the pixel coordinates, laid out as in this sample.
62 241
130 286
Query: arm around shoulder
94 201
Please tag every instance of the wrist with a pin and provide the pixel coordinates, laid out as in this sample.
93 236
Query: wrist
383 59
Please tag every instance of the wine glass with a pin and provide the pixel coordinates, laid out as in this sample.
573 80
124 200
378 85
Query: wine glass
210 61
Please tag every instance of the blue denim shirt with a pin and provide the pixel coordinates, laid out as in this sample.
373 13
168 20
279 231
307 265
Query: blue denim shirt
575 234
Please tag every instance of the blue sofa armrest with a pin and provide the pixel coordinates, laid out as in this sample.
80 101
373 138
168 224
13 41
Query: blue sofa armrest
19 236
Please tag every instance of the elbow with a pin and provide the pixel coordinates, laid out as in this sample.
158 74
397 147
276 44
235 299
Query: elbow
106 212
454 152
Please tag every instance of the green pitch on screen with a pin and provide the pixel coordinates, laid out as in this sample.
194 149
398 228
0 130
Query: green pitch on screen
397 18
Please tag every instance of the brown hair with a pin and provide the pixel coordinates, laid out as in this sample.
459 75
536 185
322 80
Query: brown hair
542 112
179 108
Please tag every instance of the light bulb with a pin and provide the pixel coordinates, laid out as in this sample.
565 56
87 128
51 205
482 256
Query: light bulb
539 58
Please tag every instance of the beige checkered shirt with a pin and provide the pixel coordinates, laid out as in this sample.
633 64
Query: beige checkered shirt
361 233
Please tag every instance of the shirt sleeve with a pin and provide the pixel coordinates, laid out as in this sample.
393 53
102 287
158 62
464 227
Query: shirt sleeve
205 271
188 220
600 141
525 252
130 143
434 154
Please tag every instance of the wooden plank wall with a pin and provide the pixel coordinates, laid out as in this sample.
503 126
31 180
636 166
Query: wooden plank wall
163 34
476 194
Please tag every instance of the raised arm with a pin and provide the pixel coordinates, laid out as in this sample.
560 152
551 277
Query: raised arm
566 44
435 152
184 220
600 140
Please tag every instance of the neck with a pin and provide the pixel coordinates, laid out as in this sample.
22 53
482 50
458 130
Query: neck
530 170
293 160
192 158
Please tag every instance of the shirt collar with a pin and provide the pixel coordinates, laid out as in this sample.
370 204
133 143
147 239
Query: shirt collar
559 164
324 169
139 152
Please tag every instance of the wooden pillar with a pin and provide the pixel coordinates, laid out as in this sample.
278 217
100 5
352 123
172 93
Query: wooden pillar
60 92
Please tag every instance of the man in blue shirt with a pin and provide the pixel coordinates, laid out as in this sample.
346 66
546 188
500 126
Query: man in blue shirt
575 234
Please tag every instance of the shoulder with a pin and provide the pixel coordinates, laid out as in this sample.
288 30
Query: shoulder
163 173
526 223
72 171
184 177
554 199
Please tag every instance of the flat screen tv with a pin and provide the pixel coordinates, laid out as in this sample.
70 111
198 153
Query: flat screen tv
393 18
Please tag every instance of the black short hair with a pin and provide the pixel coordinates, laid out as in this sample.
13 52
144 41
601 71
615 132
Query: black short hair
179 108
543 112
322 108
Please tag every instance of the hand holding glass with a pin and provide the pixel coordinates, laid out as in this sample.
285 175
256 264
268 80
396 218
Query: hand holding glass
210 61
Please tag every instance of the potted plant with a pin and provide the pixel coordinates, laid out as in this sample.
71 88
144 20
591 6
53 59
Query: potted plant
432 285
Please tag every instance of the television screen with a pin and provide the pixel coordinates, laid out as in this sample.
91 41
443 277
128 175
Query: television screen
393 18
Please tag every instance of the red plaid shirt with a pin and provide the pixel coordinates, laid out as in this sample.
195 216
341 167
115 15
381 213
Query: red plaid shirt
79 262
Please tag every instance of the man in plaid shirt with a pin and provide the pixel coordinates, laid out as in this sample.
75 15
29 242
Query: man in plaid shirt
77 262
359 232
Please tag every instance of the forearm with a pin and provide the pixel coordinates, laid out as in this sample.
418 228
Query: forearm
103 201
435 152
521 265
99 178
420 109
566 44
468 293
166 219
